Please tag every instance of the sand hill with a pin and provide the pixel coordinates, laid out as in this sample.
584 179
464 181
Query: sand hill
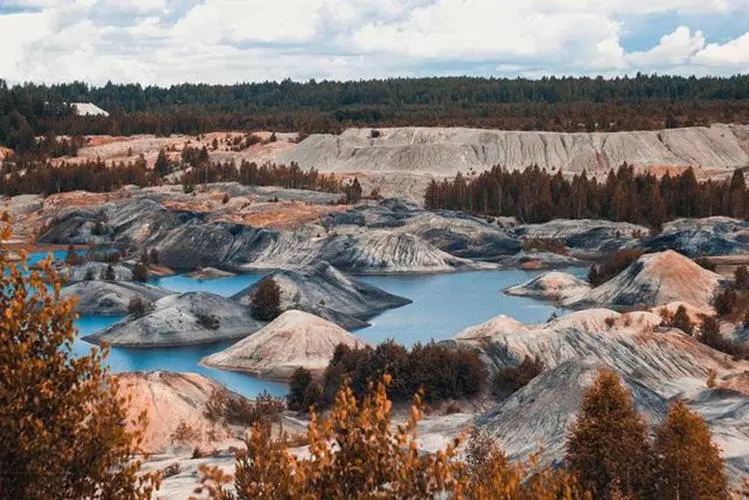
171 399
656 279
294 339
555 286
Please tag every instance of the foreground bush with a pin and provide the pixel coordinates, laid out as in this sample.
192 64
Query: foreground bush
439 372
63 430
356 452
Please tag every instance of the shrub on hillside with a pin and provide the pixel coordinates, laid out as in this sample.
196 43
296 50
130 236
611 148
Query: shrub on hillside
599 274
510 380
140 272
208 321
138 307
546 245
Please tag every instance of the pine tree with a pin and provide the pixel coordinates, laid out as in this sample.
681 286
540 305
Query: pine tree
266 300
741 278
688 463
607 447
299 384
162 164
681 320
737 197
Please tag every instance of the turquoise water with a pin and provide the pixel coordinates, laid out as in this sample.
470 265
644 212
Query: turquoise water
443 305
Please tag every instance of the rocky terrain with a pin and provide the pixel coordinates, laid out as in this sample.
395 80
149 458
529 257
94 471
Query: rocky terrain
656 363
656 279
696 237
295 339
110 298
322 290
448 150
95 270
586 235
178 320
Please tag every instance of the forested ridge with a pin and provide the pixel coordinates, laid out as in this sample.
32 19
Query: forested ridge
556 104
535 195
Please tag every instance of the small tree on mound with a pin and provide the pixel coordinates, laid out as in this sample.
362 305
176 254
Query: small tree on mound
682 322
607 447
266 300
741 278
137 307
140 272
688 463
62 429
108 273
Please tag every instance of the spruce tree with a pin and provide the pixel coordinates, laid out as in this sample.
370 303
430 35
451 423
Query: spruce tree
688 463
607 447
162 164
266 300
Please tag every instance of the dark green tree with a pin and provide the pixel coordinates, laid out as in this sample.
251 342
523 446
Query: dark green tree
266 300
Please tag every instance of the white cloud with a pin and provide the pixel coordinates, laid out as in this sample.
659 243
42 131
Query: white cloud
674 49
733 53
168 41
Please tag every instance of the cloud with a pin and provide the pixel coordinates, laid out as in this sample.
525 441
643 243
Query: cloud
674 49
170 41
731 54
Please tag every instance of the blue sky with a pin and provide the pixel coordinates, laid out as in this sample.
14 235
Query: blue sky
225 41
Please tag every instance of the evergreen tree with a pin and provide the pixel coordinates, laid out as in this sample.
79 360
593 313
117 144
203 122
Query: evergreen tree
688 463
607 447
109 274
162 165
682 322
299 385
266 300
140 272
741 278
737 197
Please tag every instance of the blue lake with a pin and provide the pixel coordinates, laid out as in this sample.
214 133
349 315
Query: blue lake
443 305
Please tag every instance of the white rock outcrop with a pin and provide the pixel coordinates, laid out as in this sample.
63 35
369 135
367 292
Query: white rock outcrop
448 150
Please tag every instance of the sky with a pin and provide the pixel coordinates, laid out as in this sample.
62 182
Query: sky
164 42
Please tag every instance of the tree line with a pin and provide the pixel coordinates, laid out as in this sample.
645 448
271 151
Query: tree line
535 195
95 175
557 104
